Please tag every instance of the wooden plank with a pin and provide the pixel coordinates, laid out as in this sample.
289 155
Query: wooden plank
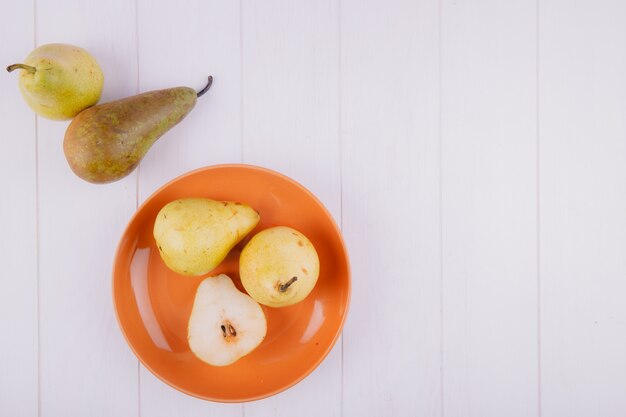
583 201
86 367
489 208
18 240
290 124
390 157
182 46
158 399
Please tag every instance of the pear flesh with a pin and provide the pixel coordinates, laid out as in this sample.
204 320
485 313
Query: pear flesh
194 235
225 324
58 81
106 142
279 267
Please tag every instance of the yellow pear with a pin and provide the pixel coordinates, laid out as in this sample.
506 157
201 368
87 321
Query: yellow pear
225 324
194 235
279 267
58 81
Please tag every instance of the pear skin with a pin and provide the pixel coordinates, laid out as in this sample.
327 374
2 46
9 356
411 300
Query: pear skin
194 235
279 266
58 81
106 142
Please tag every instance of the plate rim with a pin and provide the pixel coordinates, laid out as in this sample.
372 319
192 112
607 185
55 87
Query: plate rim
342 322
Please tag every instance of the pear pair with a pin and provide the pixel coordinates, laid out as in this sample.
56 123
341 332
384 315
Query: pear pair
278 267
193 236
104 143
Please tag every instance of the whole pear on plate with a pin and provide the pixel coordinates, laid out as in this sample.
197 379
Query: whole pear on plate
225 324
194 235
106 142
58 81
279 267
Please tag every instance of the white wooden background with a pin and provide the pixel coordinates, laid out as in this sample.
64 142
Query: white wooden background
474 153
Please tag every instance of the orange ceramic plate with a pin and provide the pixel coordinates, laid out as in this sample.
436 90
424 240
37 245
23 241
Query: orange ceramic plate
153 304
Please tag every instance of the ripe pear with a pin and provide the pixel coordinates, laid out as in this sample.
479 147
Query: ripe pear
279 267
225 324
106 142
194 235
58 81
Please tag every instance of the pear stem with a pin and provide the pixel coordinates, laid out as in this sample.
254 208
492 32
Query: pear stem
206 88
283 287
28 68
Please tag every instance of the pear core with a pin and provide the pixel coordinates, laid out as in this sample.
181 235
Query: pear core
225 324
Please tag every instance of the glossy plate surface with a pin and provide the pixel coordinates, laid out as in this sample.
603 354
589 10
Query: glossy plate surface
153 303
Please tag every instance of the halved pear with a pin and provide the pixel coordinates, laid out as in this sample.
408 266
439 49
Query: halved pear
225 324
194 235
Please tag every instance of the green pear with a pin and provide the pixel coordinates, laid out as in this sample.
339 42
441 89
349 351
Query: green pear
225 324
58 81
106 142
279 267
194 235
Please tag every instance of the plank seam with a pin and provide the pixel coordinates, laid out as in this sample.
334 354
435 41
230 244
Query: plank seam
241 89
137 88
37 234
340 149
538 231
440 134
